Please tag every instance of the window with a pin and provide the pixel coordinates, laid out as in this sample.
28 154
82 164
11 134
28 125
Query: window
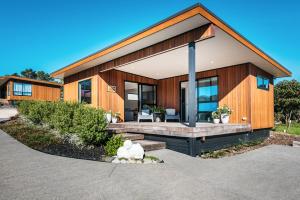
22 89
85 91
207 97
262 82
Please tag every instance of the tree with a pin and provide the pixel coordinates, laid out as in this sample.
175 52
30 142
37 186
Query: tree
15 74
41 75
29 73
287 99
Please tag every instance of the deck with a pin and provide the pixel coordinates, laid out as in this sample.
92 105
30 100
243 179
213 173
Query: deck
176 129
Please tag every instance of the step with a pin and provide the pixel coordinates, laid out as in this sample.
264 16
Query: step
132 136
117 130
150 145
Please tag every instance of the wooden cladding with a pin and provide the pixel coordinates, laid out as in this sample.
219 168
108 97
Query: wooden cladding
199 33
40 91
237 89
102 96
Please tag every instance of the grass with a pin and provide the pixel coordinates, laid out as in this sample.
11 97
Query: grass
31 135
293 130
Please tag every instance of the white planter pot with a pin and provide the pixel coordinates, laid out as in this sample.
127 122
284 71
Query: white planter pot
216 121
114 120
225 118
108 117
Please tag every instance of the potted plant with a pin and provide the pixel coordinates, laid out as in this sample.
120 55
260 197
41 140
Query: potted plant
216 116
115 117
158 113
225 113
108 116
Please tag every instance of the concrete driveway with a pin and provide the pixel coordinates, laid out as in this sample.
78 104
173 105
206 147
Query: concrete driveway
271 172
7 112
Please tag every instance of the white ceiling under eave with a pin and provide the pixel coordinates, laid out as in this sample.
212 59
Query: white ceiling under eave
217 52
177 29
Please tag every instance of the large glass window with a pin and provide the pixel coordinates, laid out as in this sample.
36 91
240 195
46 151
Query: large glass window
22 89
207 97
262 82
148 95
85 91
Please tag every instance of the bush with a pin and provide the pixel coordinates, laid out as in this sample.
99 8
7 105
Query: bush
90 125
62 118
24 107
112 145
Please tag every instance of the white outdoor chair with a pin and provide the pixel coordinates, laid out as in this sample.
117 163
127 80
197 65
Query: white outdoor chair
145 115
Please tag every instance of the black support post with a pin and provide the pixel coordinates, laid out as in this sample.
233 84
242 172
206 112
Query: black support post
192 105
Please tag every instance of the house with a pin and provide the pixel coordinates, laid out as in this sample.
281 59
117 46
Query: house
193 62
14 88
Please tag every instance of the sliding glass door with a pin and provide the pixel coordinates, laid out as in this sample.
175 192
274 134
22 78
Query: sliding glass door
147 96
207 98
137 97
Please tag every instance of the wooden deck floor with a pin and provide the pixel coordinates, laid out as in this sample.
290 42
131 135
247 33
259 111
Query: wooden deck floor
179 129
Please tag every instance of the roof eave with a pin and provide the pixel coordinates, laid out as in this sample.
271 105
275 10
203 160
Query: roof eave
180 16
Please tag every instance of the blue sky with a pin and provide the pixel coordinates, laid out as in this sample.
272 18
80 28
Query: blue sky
50 34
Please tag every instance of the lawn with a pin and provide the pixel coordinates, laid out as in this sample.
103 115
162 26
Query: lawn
294 129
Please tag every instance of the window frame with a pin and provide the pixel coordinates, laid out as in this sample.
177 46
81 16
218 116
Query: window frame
211 99
263 78
22 93
79 91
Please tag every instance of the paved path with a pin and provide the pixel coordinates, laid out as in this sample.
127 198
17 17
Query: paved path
7 112
268 173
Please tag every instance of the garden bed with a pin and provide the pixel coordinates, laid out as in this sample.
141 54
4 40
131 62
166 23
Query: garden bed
277 138
45 140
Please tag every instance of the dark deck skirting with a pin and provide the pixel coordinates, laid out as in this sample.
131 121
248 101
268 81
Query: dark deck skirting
194 141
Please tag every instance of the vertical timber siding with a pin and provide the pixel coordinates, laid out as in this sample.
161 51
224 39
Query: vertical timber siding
237 89
233 83
262 101
40 91
103 96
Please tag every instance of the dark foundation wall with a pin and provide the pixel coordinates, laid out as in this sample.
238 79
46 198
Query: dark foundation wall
196 146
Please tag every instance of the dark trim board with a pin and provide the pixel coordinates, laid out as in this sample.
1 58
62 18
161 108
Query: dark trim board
196 146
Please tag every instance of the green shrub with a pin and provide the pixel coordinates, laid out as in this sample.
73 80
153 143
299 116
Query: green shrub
68 118
90 125
112 145
62 118
35 113
24 107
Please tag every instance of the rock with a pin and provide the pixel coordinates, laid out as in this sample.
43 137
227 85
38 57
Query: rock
122 152
147 161
116 161
131 161
136 151
123 161
127 144
296 144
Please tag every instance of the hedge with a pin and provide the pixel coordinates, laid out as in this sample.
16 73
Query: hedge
68 118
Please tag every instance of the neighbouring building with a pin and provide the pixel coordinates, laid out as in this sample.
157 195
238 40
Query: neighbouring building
14 88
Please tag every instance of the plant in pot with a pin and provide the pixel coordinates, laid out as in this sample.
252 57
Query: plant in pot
115 117
158 113
108 116
225 113
216 116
